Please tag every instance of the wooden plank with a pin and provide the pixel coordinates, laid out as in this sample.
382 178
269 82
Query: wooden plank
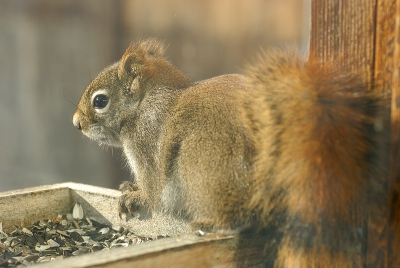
343 30
184 251
363 36
24 207
387 73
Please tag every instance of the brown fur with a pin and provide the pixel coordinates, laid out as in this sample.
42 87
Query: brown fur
172 131
293 146
322 142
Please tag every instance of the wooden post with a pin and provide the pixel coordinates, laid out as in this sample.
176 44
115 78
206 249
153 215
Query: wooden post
364 36
343 30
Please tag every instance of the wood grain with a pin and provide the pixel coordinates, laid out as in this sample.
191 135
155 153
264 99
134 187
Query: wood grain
343 31
387 73
364 37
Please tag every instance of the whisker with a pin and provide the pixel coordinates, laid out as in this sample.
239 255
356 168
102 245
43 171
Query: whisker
71 102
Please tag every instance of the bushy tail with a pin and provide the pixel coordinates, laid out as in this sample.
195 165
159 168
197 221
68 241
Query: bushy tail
319 168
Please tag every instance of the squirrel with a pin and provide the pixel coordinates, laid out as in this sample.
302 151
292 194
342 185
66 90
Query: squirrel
291 145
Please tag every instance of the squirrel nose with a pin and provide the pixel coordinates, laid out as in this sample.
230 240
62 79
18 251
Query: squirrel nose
76 121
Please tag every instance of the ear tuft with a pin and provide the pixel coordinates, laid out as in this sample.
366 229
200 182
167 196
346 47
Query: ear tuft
137 53
151 47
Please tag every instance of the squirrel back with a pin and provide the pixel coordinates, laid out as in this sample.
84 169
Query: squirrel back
321 159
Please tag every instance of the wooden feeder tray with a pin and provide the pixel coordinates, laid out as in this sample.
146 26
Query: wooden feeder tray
182 248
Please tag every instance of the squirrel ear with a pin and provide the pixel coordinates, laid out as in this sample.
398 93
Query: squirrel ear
130 64
136 57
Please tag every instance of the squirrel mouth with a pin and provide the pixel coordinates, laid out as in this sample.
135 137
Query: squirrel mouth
100 137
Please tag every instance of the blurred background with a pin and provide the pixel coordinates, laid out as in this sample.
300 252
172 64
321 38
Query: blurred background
50 50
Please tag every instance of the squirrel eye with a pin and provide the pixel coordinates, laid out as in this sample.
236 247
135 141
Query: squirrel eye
100 101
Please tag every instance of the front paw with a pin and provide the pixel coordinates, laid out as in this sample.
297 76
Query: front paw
130 202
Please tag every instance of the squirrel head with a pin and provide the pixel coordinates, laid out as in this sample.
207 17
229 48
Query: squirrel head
118 94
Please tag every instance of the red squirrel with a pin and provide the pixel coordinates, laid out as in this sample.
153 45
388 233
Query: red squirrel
291 144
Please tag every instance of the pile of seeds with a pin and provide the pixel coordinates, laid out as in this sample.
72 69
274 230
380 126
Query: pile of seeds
65 236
